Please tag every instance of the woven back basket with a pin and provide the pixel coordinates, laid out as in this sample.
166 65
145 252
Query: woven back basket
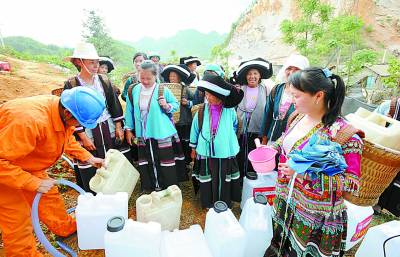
57 91
176 89
379 166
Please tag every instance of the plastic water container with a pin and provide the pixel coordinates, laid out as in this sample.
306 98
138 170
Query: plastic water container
381 241
119 176
224 235
128 238
358 220
184 243
259 183
262 158
163 207
373 124
92 214
256 220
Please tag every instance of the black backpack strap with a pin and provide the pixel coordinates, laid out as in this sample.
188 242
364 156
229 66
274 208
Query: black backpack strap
130 93
273 93
200 116
105 82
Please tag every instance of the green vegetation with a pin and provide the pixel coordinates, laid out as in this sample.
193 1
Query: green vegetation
221 55
95 31
393 80
309 27
361 58
29 46
57 59
183 43
325 39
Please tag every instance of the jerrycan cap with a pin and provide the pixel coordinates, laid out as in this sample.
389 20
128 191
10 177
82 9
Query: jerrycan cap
260 198
220 206
116 224
252 175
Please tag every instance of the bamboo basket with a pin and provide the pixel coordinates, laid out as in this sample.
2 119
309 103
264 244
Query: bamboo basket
176 89
379 166
57 91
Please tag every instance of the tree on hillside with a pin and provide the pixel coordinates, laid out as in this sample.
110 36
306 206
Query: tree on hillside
173 57
221 55
309 27
393 80
95 32
326 40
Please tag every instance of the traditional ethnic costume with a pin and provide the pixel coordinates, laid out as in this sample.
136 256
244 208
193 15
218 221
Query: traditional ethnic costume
213 136
315 221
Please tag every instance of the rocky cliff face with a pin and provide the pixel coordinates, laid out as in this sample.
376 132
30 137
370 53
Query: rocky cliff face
258 34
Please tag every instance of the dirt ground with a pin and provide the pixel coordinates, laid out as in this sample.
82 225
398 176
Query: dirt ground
192 213
29 79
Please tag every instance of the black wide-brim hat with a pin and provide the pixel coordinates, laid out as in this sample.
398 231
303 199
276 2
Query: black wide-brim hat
190 59
217 86
260 64
182 70
106 60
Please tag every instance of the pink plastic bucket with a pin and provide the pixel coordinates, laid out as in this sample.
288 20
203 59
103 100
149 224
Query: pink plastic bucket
262 158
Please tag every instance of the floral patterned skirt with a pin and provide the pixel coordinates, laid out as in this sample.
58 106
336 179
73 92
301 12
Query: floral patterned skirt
312 224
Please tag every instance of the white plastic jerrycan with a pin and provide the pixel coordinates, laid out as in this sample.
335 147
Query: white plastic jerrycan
381 241
255 182
184 243
358 220
224 235
118 175
128 238
256 220
92 214
373 124
163 207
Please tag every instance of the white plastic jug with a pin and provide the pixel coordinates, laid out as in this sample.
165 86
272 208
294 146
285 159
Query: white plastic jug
373 124
128 238
256 220
163 207
118 175
224 235
380 239
184 243
259 183
358 220
92 214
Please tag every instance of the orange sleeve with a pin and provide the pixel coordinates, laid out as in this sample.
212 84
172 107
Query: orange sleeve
17 141
76 151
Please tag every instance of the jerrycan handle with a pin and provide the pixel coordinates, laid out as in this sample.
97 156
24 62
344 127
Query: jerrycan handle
390 120
103 172
172 191
157 196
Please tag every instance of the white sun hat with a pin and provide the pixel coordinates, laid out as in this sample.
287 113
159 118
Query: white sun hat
295 60
84 50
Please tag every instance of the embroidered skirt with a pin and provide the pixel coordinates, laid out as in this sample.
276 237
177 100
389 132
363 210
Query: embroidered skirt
219 180
161 163
315 224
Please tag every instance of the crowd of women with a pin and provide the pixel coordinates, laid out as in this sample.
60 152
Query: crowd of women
232 112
